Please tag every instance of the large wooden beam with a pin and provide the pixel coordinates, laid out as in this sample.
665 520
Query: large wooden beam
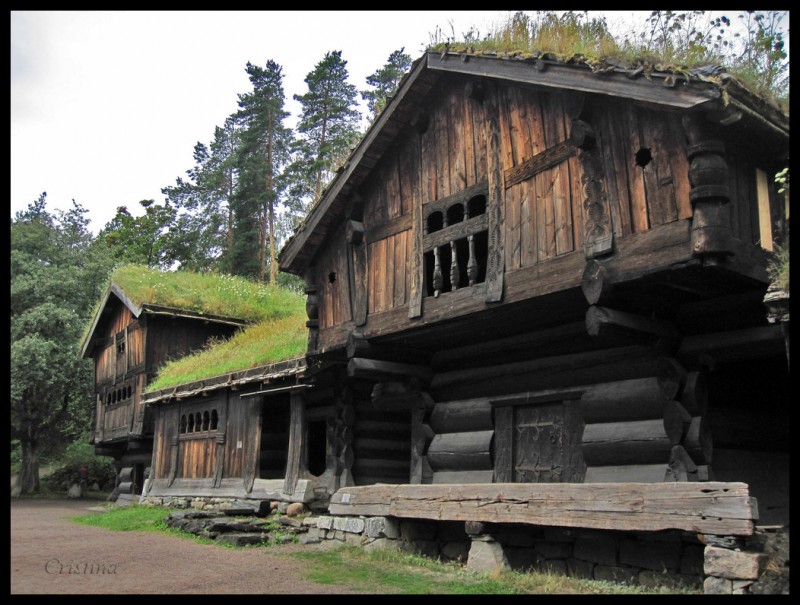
702 507
379 371
630 327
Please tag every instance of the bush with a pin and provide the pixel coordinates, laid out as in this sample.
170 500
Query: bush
99 469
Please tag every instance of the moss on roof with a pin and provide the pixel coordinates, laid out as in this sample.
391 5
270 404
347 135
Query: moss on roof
573 40
204 293
269 341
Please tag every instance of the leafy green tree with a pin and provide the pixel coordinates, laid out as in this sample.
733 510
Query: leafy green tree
56 275
263 153
328 124
144 239
384 81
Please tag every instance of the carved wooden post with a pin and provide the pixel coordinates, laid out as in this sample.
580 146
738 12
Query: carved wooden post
219 460
454 271
354 234
708 175
598 234
495 265
312 312
296 463
173 459
417 266
472 263
437 273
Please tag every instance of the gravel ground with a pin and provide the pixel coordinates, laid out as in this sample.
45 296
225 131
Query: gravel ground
52 555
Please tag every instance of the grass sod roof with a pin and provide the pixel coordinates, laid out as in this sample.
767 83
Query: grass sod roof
199 294
204 293
585 48
267 342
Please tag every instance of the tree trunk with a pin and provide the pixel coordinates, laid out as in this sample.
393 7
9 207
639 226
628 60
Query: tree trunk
28 478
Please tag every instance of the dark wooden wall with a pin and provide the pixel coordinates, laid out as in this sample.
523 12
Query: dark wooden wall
644 163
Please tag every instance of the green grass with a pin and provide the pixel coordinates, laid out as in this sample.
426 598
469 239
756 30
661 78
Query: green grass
384 571
262 344
390 571
212 293
571 37
204 293
132 518
279 332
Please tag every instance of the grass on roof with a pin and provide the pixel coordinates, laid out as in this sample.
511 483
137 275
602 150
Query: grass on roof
572 37
210 293
264 343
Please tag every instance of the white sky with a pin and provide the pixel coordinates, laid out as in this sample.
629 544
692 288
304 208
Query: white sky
106 107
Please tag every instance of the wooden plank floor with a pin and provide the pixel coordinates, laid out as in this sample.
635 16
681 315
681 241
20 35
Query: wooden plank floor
703 507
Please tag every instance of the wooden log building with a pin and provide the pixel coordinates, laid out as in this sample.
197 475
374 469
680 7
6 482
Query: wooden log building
535 272
527 272
129 342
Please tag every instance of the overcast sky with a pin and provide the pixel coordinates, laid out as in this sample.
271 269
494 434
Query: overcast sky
106 107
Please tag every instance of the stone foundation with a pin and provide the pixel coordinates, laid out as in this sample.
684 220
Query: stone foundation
228 506
671 558
758 564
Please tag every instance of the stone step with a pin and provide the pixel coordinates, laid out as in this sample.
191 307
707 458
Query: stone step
243 538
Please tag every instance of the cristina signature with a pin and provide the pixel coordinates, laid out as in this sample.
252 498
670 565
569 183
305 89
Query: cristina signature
54 566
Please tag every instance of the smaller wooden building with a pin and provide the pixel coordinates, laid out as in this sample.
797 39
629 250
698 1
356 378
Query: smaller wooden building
241 436
129 341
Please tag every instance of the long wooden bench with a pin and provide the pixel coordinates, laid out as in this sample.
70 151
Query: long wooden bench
704 507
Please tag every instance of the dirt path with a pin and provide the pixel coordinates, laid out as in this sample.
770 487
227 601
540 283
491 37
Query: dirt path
52 555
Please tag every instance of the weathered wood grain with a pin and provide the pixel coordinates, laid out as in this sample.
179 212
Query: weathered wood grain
461 416
713 507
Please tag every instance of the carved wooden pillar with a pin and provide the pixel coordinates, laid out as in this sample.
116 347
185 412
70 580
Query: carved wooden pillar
710 196
173 459
354 235
312 312
598 233
495 265
296 463
219 460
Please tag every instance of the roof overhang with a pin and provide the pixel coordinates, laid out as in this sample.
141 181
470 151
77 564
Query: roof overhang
267 374
86 348
150 309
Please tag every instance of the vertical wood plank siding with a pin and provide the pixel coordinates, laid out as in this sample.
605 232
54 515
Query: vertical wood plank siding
542 214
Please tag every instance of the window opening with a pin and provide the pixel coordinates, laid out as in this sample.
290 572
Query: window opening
643 157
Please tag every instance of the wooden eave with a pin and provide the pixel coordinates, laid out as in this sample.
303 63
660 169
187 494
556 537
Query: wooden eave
298 252
137 310
660 88
264 374
209 317
86 348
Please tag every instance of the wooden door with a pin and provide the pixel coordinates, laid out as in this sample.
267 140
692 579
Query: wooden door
539 443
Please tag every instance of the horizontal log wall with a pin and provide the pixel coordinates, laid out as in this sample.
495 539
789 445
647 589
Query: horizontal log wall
381 442
460 450
639 431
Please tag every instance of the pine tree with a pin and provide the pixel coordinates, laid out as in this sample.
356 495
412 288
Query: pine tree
263 153
384 81
203 234
328 124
